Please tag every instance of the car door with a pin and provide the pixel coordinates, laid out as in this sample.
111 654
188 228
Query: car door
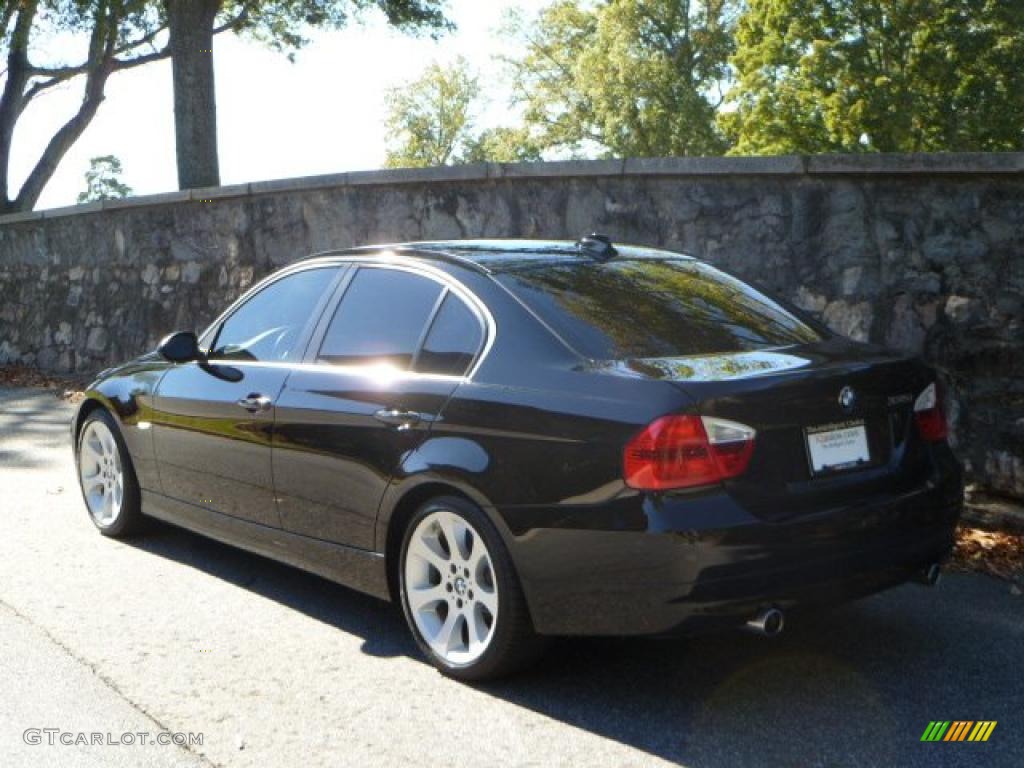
388 356
213 419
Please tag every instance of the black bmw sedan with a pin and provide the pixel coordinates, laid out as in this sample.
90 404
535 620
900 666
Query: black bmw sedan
520 439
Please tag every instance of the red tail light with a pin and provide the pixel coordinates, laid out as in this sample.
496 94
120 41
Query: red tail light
686 450
931 415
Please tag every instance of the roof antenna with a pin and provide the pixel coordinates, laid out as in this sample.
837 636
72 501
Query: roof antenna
597 247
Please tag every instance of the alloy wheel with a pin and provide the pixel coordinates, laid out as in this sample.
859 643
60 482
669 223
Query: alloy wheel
101 472
450 587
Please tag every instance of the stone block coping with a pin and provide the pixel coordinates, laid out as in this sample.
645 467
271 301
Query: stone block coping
943 164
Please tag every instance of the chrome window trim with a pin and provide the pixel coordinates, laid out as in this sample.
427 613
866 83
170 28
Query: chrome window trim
475 305
382 259
369 369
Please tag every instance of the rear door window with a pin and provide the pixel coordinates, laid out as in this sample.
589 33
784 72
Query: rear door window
454 338
652 308
381 318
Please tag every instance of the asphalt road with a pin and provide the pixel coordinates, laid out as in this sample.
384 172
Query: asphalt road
275 667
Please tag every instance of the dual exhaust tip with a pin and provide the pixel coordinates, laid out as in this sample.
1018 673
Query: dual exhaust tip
769 622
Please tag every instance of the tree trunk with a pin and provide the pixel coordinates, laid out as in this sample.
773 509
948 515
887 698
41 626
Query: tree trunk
12 99
63 139
190 23
101 62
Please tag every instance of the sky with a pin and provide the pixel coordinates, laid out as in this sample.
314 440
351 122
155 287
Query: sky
275 119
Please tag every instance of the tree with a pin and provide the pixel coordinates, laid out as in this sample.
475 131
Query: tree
278 23
503 144
430 119
129 33
859 75
121 35
103 180
626 77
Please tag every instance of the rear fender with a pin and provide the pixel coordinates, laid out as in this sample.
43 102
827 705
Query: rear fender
445 461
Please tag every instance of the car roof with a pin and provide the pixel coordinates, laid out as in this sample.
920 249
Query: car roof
494 256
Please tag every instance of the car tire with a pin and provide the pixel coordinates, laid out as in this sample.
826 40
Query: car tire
464 606
107 478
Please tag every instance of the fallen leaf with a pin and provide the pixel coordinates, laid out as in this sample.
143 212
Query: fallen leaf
65 386
997 553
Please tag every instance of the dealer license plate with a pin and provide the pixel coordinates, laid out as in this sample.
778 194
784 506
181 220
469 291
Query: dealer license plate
835 447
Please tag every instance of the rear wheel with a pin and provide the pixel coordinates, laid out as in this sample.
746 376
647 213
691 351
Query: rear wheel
107 478
460 593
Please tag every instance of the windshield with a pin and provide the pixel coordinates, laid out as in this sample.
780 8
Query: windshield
653 308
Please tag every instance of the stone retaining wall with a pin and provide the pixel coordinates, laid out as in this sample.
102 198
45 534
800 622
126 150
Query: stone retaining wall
920 252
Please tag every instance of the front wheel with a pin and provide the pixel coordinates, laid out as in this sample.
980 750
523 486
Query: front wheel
107 478
460 593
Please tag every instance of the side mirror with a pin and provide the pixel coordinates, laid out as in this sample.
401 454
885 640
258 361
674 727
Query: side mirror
180 347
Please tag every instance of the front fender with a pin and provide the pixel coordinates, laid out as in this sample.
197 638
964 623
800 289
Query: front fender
93 399
128 393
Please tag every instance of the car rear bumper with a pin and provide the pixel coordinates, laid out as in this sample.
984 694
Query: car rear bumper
650 565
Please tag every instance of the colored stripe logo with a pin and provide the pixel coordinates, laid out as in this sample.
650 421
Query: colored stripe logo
958 730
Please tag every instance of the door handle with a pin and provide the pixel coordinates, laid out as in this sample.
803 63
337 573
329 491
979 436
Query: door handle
255 403
397 418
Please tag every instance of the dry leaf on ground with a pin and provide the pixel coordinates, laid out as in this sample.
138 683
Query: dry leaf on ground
996 553
65 387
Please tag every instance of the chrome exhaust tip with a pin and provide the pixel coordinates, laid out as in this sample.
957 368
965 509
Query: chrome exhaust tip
930 575
768 622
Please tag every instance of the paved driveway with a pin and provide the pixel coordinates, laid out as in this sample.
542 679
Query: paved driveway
278 668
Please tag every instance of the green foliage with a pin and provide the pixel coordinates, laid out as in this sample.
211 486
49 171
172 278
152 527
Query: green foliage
103 180
862 75
431 121
502 145
282 24
625 77
431 118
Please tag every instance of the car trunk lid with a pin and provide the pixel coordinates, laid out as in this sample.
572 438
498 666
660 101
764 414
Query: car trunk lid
859 393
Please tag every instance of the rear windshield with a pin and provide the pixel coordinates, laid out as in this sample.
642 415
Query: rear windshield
653 308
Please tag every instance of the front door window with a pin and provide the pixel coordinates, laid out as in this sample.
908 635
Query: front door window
269 326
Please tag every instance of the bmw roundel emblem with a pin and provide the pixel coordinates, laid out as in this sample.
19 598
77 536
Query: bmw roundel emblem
847 398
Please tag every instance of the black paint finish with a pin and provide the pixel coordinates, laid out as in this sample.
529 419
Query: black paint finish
318 474
333 458
211 451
